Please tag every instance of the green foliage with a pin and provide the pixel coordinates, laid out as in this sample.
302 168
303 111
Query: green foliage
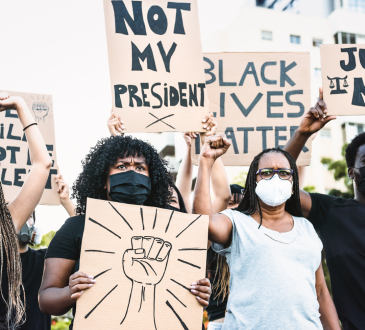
46 239
339 169
60 323
310 189
240 179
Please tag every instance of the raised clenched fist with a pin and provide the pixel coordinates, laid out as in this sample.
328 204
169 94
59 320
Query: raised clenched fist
146 262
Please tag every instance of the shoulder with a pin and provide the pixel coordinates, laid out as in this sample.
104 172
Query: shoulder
304 224
40 253
324 199
74 224
233 214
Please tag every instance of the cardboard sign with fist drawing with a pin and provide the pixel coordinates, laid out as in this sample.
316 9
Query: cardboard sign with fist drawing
144 260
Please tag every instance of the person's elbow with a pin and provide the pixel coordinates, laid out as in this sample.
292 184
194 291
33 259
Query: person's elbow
46 306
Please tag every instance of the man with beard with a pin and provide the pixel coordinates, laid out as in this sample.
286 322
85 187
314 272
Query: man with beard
340 222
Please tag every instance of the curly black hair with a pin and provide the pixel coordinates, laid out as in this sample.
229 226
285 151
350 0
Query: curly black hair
250 202
352 148
91 181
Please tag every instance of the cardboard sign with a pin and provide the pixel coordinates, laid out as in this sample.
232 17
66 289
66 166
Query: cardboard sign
15 162
144 260
343 73
258 100
155 62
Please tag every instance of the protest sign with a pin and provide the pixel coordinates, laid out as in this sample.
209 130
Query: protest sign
143 260
15 161
156 66
343 73
258 100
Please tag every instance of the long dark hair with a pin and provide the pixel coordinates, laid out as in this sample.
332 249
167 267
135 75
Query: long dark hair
180 199
250 202
92 179
9 249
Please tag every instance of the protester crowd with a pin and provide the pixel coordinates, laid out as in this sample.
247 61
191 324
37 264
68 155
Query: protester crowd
265 243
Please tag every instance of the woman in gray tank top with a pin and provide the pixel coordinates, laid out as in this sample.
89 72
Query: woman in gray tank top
274 254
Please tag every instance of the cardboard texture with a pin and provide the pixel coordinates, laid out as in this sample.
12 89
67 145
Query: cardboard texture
144 260
343 73
14 152
258 100
155 63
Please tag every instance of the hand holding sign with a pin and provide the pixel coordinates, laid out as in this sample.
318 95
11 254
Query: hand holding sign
115 125
315 119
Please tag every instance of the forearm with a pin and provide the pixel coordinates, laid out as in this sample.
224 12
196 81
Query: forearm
55 301
221 188
68 206
296 143
329 317
184 178
202 200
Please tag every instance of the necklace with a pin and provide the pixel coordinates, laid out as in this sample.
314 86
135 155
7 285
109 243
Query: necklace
291 221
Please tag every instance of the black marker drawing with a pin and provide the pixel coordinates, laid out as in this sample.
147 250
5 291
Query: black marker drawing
177 315
105 271
99 251
161 120
88 314
92 220
188 226
40 110
188 263
338 89
145 265
186 288
121 216
176 298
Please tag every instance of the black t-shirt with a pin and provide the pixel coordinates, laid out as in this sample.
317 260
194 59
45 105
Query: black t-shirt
32 273
66 244
341 226
217 306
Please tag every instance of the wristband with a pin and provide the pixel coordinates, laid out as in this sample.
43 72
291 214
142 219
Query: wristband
29 126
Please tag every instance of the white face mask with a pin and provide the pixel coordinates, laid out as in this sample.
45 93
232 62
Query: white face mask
275 191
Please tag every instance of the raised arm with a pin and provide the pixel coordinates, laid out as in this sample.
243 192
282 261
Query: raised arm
314 120
64 191
220 227
30 194
185 173
221 188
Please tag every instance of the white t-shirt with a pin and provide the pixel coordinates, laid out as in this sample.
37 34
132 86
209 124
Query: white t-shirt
272 283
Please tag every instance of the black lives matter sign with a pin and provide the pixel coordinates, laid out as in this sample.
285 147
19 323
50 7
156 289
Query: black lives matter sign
343 75
258 100
15 159
156 66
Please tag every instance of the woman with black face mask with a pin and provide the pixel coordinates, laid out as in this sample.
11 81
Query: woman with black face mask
121 169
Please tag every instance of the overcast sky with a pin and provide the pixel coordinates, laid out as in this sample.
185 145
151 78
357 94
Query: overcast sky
59 48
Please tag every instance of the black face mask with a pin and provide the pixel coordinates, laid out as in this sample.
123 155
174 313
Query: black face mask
172 208
129 187
361 184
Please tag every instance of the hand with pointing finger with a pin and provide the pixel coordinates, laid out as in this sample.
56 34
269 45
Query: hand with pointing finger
315 119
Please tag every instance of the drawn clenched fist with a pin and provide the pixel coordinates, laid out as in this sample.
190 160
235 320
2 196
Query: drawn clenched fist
147 260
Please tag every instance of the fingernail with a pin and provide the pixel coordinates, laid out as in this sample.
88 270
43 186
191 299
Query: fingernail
92 277
192 287
93 281
193 291
205 126
91 284
194 283
204 120
197 297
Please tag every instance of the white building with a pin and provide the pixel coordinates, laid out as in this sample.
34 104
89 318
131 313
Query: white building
291 25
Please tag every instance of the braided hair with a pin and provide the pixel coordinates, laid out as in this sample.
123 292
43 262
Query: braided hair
250 202
15 314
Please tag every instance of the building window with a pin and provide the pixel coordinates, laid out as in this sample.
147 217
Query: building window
266 35
326 133
360 128
294 39
317 72
317 42
345 38
357 6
